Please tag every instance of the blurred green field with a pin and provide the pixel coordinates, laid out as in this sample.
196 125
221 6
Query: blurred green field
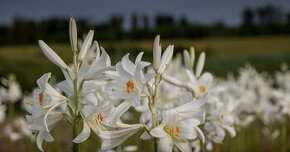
223 55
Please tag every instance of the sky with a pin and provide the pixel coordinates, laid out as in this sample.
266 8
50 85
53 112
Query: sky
203 11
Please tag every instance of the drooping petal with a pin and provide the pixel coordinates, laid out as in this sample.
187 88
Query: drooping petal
165 144
85 134
183 146
200 134
39 139
48 112
122 108
158 131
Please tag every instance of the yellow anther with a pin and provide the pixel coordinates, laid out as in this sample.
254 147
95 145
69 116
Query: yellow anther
202 89
100 117
130 86
40 98
177 129
222 116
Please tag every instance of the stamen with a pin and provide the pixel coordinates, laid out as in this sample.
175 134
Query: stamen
100 117
222 116
177 129
202 89
130 86
40 98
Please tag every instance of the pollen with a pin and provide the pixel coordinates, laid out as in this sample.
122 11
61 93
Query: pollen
100 117
171 131
222 116
130 86
40 98
177 129
202 89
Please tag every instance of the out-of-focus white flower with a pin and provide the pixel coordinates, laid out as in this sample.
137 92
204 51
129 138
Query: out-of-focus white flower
18 129
220 118
2 113
13 136
130 148
201 85
12 92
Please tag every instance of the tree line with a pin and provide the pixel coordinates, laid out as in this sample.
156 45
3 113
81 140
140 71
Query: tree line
264 20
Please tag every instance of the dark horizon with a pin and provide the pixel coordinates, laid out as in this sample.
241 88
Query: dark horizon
200 11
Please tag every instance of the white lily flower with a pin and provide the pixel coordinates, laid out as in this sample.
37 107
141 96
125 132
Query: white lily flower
179 125
220 117
129 85
90 77
95 117
52 56
43 110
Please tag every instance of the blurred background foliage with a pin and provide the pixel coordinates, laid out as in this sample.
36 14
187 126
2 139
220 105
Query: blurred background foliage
262 39
268 19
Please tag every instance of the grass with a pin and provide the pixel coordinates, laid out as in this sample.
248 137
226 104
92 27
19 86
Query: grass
223 55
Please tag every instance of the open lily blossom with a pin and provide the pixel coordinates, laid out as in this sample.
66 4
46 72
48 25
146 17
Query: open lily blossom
172 101
179 125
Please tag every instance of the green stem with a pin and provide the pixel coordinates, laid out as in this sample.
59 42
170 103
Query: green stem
203 147
10 110
75 133
76 102
155 145
152 106
284 134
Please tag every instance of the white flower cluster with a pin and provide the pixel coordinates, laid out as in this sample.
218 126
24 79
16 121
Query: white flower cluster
181 107
10 93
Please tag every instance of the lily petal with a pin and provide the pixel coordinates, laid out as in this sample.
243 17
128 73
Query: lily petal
86 45
51 55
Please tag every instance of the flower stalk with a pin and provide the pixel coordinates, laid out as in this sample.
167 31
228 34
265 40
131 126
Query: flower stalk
284 133
76 102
